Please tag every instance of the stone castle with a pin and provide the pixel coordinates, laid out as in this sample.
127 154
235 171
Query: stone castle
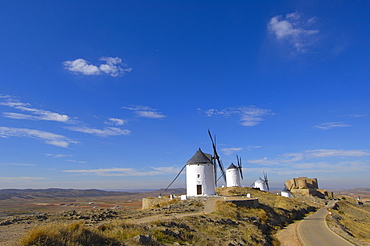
306 186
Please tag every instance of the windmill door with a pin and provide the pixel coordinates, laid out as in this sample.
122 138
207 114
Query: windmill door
199 189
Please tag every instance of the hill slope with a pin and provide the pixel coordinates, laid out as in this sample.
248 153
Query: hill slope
229 224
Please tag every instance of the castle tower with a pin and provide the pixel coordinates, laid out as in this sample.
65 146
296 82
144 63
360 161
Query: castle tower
200 175
232 176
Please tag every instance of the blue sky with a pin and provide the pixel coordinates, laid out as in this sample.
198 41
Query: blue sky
120 94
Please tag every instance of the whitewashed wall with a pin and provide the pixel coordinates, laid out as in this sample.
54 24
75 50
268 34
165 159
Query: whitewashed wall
200 174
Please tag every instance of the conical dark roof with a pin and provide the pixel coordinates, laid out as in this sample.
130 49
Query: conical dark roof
232 166
200 158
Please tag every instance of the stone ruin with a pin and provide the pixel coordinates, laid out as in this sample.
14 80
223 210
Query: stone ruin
306 186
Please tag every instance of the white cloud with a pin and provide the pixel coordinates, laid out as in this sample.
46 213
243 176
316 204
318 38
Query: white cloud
47 137
248 116
293 30
81 66
58 155
20 179
108 131
229 151
116 122
289 158
146 112
113 66
330 125
75 161
34 114
335 152
126 171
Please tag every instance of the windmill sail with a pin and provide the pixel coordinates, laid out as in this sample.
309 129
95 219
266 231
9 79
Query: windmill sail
240 165
216 157
266 181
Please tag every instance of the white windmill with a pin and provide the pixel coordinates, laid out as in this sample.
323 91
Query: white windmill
201 173
200 177
262 184
285 192
234 173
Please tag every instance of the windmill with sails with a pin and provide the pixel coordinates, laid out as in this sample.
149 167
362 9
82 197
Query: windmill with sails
234 173
262 184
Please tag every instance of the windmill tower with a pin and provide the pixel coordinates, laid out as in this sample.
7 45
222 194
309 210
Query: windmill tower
201 172
200 177
234 173
262 184
285 192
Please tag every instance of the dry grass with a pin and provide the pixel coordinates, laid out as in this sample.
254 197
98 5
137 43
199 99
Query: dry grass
121 231
355 219
75 234
228 225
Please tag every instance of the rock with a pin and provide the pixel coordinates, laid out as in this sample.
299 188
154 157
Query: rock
143 239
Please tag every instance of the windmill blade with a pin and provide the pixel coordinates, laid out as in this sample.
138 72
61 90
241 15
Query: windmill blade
240 165
266 181
216 157
215 172
222 169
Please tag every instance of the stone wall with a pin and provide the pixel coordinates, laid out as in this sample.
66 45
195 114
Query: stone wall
153 202
302 183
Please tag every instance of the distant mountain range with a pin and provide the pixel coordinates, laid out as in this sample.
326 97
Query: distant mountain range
55 192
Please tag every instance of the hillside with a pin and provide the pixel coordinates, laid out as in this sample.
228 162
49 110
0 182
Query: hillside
174 223
351 221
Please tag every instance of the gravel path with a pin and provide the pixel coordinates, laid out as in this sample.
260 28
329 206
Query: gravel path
288 236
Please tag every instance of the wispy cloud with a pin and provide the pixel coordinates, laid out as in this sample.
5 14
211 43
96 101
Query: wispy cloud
354 115
229 151
31 113
248 116
112 66
105 132
47 137
18 164
146 112
313 168
58 155
126 171
116 122
19 179
330 125
75 161
293 30
310 154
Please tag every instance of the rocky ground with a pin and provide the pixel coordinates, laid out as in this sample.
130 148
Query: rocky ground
184 222
13 228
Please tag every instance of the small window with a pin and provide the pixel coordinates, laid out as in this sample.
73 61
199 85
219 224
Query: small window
198 175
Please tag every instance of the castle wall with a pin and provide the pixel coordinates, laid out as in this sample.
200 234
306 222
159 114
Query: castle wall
302 183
